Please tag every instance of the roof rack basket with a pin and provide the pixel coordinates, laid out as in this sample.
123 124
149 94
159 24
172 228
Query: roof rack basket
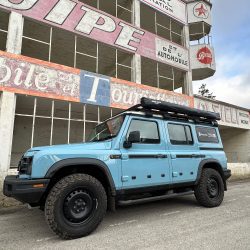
170 110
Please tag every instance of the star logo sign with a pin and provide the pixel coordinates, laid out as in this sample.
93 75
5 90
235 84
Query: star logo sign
201 10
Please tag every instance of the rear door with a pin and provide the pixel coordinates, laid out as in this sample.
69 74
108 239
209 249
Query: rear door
184 152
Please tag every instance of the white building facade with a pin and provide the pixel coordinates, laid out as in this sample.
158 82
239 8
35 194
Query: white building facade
67 65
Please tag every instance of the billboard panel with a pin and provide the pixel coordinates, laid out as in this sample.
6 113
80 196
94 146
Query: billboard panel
230 116
34 77
173 8
87 21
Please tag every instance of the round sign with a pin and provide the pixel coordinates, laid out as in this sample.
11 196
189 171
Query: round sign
205 56
201 10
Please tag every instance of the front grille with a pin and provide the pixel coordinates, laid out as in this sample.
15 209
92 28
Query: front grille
24 166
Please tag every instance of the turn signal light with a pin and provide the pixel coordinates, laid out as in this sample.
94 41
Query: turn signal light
38 185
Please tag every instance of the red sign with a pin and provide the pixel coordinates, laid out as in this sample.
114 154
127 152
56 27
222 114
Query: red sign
201 10
205 55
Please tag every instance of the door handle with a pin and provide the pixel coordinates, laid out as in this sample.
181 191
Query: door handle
125 157
195 156
161 156
173 156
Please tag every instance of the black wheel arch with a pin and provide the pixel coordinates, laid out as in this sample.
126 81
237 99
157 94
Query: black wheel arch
94 167
214 164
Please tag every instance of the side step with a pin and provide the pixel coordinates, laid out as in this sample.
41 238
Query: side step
154 198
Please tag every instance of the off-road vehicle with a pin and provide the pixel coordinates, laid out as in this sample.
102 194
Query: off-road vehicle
151 151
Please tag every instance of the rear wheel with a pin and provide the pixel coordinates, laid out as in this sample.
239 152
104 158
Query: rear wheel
210 190
75 206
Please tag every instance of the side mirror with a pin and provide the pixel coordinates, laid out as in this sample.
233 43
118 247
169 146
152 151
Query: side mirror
133 137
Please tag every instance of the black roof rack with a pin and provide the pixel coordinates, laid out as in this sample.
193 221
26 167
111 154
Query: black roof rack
170 110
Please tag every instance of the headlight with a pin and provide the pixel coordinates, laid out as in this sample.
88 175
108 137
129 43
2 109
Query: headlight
25 164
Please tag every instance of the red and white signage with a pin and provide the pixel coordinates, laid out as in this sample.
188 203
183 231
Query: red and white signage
29 76
84 20
199 11
126 94
173 8
202 56
205 55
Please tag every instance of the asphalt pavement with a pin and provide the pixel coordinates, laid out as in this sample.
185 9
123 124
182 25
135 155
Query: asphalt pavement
178 223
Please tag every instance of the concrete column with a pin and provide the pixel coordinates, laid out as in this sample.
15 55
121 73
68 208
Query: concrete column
7 116
8 100
188 86
15 32
136 63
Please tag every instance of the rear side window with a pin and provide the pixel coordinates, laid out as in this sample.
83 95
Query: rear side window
148 131
208 135
180 134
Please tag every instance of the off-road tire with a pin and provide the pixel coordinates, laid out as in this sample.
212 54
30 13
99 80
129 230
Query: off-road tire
55 206
203 194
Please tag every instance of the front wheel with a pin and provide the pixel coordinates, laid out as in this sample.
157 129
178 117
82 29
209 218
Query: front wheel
75 206
210 190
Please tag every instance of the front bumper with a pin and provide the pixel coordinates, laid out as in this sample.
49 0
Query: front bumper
24 190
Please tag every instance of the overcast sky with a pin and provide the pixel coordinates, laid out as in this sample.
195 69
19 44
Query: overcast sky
231 41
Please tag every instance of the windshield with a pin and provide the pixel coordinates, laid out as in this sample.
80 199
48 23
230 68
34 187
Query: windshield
107 130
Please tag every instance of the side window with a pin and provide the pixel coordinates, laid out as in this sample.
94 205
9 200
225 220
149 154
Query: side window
180 134
149 133
206 134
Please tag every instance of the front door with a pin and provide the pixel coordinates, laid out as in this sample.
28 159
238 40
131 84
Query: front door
146 163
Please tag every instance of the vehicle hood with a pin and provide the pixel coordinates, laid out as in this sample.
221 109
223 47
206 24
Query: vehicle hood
76 147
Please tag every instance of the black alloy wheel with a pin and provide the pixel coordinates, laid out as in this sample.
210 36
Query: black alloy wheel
75 206
79 205
210 190
212 187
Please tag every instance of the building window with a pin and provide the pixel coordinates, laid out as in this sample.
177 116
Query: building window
161 25
42 122
63 47
119 8
200 31
162 76
37 39
4 21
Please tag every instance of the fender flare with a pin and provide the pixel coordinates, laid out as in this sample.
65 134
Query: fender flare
217 167
82 162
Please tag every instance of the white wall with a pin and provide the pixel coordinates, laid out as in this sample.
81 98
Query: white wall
236 144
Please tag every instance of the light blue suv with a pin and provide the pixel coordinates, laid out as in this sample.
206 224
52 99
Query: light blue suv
151 151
